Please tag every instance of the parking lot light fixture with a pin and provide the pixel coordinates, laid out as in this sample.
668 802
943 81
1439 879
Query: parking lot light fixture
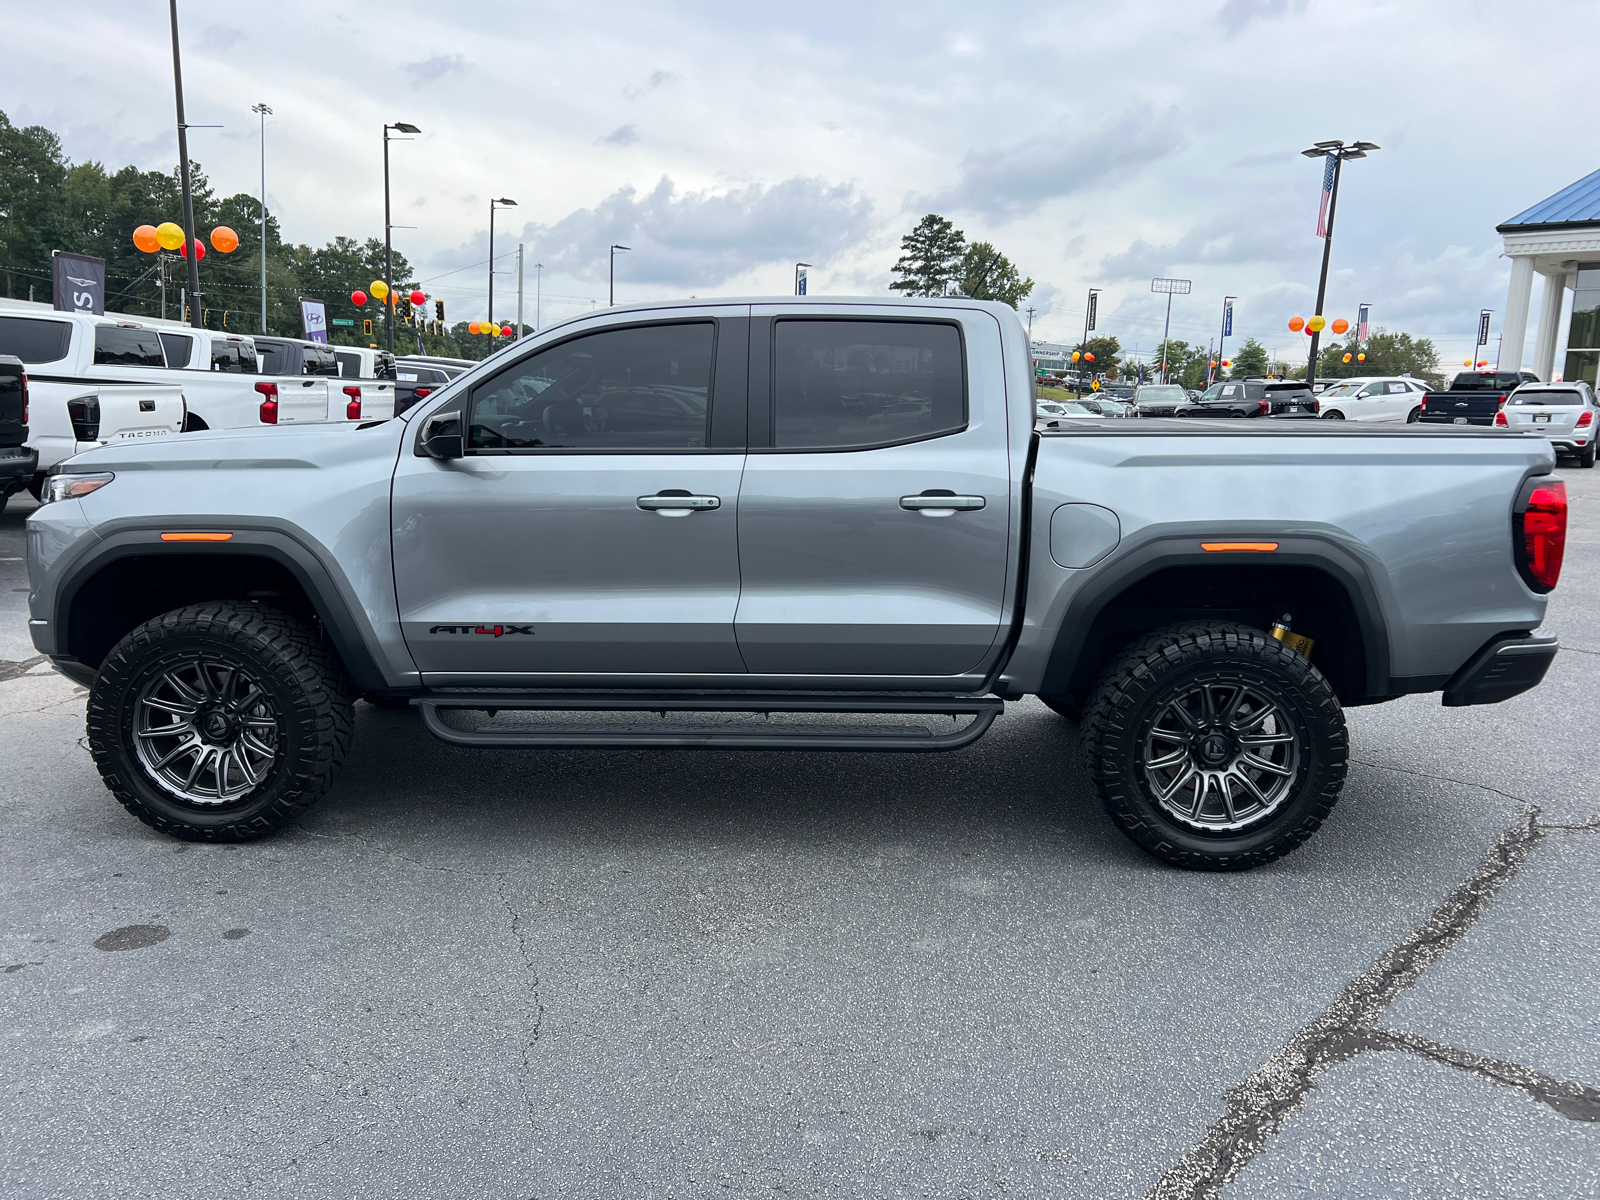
612 296
388 244
494 204
1339 152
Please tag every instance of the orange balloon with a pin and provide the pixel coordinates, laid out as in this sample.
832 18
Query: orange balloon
473 327
1346 358
144 237
1296 324
1340 325
224 240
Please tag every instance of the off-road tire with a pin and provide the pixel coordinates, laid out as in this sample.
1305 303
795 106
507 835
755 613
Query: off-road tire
1137 688
298 674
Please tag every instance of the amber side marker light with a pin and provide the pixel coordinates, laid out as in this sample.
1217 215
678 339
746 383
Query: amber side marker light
195 537
1257 546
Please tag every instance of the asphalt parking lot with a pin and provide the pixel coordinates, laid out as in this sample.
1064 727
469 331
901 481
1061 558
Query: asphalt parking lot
638 974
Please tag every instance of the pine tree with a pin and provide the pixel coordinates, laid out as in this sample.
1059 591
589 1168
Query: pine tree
932 258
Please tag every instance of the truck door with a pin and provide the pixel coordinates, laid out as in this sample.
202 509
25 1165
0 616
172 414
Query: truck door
874 515
589 533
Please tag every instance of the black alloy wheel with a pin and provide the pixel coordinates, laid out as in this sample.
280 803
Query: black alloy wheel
1414 415
219 722
1214 746
1336 415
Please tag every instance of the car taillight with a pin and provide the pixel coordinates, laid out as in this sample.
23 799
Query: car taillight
1500 418
1264 407
84 413
1585 418
269 405
24 397
1424 404
1541 533
421 393
352 410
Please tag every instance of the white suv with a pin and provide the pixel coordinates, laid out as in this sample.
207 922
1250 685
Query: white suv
1563 412
1389 398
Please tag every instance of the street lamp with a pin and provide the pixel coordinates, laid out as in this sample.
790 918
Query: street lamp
388 243
1172 287
494 204
613 294
800 279
265 112
1336 152
538 294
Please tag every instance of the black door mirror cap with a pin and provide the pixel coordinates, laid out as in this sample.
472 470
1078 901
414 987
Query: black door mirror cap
441 437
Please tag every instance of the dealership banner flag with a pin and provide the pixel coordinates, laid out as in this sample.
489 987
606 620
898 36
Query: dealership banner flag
1362 314
78 282
1227 318
1327 194
314 319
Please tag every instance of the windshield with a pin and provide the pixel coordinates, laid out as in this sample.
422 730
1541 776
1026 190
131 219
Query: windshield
1486 381
1546 396
1163 395
1344 389
1075 410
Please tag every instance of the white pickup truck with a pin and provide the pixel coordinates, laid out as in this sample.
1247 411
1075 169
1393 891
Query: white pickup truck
73 406
323 387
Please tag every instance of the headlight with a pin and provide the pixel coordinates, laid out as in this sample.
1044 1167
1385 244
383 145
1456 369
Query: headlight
74 486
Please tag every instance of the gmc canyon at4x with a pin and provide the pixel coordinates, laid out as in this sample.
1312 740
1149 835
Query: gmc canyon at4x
798 506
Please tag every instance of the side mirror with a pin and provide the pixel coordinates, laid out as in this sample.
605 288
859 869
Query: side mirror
441 437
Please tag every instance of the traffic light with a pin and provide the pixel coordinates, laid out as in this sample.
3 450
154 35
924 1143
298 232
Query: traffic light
366 328
438 311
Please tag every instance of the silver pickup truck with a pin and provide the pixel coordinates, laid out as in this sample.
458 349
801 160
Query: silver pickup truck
783 512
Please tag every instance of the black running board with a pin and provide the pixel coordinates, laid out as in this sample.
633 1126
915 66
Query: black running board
562 735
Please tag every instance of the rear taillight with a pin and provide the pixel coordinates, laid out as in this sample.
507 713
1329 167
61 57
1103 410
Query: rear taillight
421 393
1424 404
1585 418
1265 408
352 409
1500 418
1540 531
269 405
24 397
84 413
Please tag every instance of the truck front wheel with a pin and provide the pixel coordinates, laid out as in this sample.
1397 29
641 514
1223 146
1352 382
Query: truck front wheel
219 722
1214 746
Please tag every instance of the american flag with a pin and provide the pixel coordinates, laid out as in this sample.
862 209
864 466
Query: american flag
1361 323
1327 194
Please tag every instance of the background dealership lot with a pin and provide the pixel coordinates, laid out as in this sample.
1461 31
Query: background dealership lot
577 973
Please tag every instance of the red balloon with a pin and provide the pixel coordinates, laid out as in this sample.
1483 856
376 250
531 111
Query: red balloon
358 297
417 297
1088 358
506 331
199 250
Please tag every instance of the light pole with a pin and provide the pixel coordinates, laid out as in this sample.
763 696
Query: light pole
800 278
538 293
388 242
494 204
1172 287
1227 328
265 112
518 333
1088 324
612 299
1336 151
193 254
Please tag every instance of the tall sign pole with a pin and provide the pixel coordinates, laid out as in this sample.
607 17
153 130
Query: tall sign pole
518 332
1227 332
265 112
1088 327
193 254
1336 152
1172 287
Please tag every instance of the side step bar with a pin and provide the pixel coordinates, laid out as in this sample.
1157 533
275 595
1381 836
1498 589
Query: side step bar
560 735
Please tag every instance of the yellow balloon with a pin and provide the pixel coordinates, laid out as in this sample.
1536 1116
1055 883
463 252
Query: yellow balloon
1316 324
169 236
379 289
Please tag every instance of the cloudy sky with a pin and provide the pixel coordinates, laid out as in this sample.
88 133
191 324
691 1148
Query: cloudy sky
1096 144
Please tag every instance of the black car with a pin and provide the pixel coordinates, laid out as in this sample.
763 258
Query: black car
417 378
1254 398
17 462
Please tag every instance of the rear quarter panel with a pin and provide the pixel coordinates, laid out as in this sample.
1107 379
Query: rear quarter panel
1427 515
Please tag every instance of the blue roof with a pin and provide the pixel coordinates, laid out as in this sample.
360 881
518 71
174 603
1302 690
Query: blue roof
1576 204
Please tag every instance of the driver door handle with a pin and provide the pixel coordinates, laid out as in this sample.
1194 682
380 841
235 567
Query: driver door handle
677 504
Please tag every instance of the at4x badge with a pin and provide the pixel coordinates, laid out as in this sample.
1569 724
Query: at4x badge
492 630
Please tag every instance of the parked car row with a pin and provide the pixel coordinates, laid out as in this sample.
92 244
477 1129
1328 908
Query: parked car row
77 380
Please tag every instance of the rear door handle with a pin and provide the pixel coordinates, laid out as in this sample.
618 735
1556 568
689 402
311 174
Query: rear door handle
677 504
941 504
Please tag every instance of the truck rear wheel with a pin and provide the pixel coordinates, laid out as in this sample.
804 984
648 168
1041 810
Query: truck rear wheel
1214 746
219 722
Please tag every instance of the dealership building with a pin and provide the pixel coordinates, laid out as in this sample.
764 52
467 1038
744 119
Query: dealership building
1559 239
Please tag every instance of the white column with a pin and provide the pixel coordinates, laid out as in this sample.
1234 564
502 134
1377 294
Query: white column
1544 352
1516 327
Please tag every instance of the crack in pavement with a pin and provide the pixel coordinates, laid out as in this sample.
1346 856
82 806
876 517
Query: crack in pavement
11 670
500 879
1576 1101
1256 1108
1482 787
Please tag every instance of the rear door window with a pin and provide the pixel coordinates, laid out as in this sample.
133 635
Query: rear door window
179 346
273 358
122 346
236 358
318 360
35 340
1547 396
851 385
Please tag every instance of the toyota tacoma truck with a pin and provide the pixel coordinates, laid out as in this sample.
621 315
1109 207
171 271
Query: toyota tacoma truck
785 513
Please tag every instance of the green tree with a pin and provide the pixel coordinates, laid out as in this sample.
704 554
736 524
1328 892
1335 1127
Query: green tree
1387 354
32 170
932 259
986 274
1105 350
1249 360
